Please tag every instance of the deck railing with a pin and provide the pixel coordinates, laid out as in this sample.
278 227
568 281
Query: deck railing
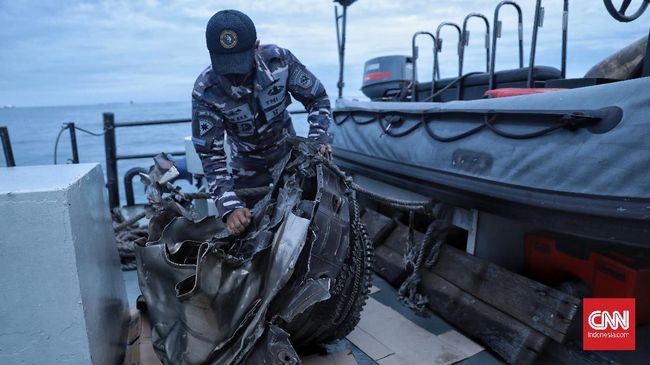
6 147
112 156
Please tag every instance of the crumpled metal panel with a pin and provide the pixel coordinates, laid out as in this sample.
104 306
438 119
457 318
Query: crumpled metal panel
274 349
193 320
217 299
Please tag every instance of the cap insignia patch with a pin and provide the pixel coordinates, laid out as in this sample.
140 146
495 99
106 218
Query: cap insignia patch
228 39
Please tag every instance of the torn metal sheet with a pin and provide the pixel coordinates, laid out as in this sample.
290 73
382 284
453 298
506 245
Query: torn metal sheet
299 276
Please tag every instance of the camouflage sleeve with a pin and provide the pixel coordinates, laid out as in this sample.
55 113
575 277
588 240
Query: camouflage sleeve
208 139
310 92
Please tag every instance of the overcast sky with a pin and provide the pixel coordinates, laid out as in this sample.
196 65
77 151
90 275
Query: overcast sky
82 52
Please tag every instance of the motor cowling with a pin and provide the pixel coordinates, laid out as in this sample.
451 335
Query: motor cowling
385 77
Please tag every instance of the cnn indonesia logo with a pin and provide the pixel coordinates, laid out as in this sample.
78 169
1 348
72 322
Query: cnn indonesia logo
609 324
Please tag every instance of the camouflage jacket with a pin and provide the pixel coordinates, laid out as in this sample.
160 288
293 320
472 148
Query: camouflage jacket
255 120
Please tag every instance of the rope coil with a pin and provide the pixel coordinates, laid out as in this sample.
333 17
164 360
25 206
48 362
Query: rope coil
65 127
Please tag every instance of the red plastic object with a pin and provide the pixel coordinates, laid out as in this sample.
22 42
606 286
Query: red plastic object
609 272
506 92
377 75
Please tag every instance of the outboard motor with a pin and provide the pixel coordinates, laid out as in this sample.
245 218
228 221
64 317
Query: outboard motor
385 77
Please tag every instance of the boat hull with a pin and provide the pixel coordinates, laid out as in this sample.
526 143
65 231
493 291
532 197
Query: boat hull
590 180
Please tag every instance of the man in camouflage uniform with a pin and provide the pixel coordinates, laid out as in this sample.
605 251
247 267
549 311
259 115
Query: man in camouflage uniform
245 93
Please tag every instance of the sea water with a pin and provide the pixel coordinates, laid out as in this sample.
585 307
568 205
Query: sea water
33 131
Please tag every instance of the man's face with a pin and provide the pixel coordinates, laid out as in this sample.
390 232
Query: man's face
239 79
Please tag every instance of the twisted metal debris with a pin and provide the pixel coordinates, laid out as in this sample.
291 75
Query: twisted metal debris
299 276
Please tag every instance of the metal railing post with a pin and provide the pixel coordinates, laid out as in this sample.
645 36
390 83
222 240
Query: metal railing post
465 33
539 15
341 22
111 160
436 61
497 34
414 55
73 142
539 22
6 147
565 36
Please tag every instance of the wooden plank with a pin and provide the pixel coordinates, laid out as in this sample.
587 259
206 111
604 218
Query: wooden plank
389 257
389 265
378 226
513 341
398 238
571 352
543 308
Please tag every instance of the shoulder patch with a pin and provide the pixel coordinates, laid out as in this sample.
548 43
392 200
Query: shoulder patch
206 121
302 78
205 126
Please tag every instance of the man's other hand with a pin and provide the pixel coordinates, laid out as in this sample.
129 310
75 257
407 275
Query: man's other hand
325 150
238 220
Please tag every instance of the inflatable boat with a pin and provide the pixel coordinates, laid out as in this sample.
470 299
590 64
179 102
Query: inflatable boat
574 161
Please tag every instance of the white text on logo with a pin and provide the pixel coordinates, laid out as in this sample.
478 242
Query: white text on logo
600 320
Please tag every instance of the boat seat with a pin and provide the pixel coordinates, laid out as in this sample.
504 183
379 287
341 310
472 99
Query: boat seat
475 86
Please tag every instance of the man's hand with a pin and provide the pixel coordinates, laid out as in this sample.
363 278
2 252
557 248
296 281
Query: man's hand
238 220
325 150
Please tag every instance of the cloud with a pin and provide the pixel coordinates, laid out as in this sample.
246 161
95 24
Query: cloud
78 52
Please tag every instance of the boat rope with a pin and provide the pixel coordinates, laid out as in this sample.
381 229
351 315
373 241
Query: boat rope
418 257
65 127
487 120
129 222
127 232
448 86
424 255
126 245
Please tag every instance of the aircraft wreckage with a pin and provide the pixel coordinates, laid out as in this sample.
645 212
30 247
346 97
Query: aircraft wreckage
301 271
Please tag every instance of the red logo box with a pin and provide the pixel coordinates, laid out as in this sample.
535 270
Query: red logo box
609 324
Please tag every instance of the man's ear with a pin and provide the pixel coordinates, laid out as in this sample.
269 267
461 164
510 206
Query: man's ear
257 44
